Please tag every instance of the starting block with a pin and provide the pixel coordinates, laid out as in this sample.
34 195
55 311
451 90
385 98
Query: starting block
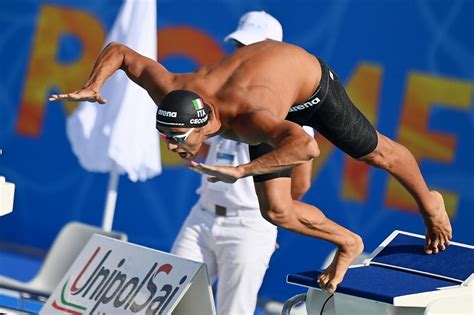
7 192
398 278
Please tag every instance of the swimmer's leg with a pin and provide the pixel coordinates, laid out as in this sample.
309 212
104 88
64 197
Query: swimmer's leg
279 208
399 162
341 122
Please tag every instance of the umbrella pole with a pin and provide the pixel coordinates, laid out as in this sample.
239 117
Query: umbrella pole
111 200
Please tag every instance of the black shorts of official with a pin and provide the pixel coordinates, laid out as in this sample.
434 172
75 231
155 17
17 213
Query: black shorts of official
331 112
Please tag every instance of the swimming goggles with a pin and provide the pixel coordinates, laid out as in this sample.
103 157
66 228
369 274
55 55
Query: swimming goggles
175 137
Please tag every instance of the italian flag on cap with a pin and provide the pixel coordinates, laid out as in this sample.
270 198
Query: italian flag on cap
198 104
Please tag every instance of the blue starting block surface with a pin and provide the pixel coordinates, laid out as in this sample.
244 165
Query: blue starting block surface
400 267
376 283
407 252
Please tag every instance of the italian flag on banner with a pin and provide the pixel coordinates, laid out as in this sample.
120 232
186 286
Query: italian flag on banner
198 104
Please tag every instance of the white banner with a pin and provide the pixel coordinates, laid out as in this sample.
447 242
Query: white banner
115 277
121 133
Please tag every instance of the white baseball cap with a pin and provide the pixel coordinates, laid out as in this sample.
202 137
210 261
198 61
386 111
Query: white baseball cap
256 26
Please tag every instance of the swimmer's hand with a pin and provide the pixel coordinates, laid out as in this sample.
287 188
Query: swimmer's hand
84 94
226 174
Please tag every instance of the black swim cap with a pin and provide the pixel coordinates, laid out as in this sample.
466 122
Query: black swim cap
182 109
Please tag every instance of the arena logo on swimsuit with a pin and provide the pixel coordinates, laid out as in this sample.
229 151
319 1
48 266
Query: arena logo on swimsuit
305 105
113 287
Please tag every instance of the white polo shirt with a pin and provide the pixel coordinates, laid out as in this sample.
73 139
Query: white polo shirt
239 195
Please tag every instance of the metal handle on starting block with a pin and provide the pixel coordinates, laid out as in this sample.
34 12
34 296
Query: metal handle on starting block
291 302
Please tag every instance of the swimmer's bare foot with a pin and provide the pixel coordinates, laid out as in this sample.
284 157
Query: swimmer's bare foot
334 273
438 227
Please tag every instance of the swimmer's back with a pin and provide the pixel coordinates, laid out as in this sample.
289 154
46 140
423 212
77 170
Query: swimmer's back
285 70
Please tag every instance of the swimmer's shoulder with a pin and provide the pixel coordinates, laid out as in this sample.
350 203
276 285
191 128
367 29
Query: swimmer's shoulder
270 49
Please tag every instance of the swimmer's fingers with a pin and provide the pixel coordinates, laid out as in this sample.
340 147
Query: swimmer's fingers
203 168
59 97
78 96
194 166
200 168
218 173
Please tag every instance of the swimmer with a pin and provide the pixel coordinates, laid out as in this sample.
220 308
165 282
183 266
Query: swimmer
261 95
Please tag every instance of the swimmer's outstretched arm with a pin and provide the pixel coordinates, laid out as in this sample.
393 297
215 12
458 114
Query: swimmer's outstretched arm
293 147
144 71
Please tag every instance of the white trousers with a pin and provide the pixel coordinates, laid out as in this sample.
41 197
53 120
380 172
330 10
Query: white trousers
236 250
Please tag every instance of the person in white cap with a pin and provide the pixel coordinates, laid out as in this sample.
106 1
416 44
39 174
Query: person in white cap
256 26
225 229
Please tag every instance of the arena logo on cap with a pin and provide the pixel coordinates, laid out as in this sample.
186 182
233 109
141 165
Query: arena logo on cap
166 113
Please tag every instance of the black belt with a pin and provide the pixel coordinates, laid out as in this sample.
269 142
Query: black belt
220 211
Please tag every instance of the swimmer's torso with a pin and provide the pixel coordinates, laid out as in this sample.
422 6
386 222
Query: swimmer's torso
268 75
